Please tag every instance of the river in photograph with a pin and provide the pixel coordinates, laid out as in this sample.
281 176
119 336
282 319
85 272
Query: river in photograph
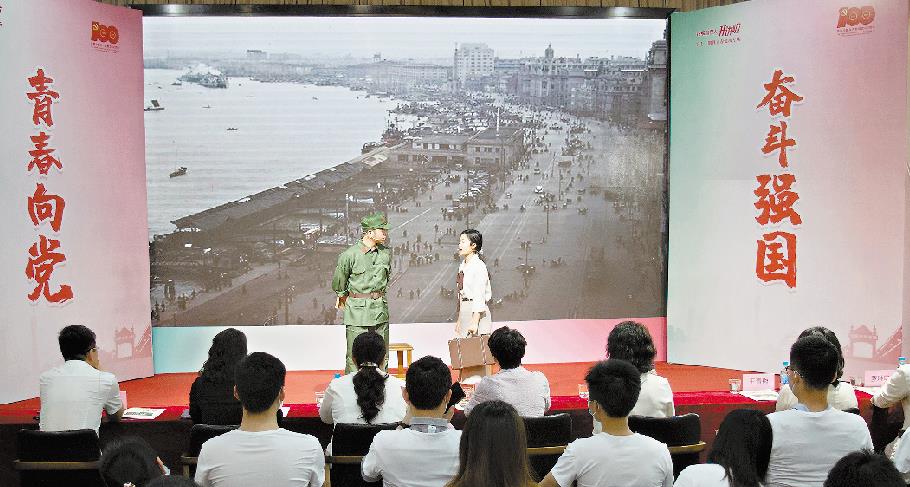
249 137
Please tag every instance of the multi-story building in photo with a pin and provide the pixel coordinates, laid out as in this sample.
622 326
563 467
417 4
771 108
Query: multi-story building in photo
654 86
472 61
490 149
400 76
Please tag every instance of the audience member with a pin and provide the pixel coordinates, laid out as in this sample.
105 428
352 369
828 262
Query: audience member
370 395
130 461
864 468
840 394
493 450
212 398
528 392
426 453
259 452
631 341
896 390
616 457
739 457
74 394
811 438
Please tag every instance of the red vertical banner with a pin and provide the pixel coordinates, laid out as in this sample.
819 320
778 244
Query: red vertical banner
775 257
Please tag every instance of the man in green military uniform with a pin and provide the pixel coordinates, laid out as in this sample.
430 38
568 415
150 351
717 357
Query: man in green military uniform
360 281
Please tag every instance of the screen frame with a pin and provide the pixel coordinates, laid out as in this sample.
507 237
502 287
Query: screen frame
164 10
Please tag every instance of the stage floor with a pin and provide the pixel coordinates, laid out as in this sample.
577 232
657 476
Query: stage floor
301 386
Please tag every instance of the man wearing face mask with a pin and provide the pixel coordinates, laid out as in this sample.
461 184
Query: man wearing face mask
616 456
360 282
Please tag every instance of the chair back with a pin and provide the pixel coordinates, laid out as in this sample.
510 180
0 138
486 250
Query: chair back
543 431
200 433
682 430
351 439
51 458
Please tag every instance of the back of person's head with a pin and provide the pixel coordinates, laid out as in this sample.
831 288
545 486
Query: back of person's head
507 346
743 447
172 481
631 341
614 384
427 382
228 348
259 379
815 360
864 468
493 450
76 341
129 460
832 338
368 351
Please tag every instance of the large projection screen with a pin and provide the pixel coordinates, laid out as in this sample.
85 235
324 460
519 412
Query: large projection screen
270 135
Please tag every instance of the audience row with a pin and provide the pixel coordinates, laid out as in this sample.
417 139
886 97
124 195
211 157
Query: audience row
809 441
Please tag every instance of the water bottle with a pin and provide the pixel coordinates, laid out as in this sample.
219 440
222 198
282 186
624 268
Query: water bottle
784 379
901 361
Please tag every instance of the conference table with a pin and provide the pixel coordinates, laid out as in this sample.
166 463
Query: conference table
169 433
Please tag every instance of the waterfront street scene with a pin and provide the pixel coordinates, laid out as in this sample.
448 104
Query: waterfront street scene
261 163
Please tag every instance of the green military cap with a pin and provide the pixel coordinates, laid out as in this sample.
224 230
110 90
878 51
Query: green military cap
376 220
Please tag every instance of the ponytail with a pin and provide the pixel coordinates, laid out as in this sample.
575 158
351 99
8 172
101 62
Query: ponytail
369 385
368 350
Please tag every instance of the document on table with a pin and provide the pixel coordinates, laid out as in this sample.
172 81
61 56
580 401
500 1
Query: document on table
142 413
760 395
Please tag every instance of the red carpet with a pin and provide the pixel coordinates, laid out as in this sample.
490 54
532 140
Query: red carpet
174 389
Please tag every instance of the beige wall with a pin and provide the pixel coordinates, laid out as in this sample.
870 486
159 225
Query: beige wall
683 5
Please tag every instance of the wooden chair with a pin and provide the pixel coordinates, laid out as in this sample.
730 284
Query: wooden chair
400 349
682 434
53 458
547 440
199 434
350 442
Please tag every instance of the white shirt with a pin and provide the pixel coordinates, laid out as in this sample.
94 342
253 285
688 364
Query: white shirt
807 444
605 460
702 475
528 392
73 395
340 402
274 458
654 401
897 389
410 458
841 397
476 284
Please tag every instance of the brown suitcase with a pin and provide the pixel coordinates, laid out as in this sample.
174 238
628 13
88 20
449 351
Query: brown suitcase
472 351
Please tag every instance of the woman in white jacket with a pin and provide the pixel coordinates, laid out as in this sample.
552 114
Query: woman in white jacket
473 287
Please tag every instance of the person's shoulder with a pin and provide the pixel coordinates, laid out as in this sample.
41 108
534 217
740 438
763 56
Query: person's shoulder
391 380
649 443
854 420
844 388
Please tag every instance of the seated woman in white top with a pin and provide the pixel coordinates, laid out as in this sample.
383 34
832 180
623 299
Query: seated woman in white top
841 395
739 457
369 395
631 341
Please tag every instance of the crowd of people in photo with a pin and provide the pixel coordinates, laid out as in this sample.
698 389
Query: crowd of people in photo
814 438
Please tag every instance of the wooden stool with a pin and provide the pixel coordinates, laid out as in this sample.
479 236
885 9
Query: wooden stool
401 348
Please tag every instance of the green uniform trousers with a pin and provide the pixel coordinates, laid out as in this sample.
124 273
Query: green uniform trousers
352 331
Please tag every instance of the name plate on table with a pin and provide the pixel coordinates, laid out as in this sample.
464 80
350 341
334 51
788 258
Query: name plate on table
758 382
877 378
142 413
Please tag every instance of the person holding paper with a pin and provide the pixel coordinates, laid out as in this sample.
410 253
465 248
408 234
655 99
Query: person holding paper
474 288
74 394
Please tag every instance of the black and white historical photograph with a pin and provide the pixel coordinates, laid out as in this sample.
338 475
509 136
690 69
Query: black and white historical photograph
269 139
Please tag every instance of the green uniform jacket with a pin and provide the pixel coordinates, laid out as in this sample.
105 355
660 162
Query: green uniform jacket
360 271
